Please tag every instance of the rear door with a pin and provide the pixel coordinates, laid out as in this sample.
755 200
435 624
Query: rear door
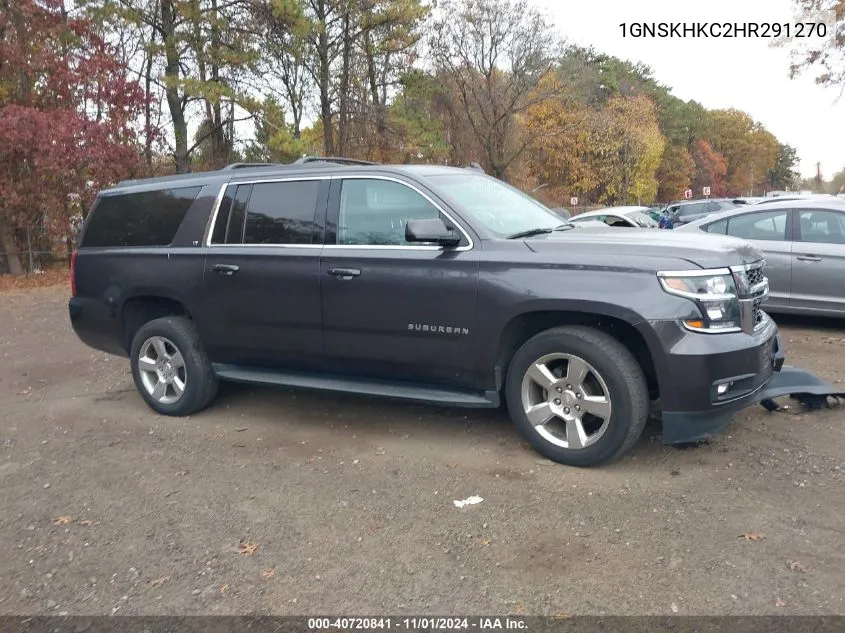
262 273
818 265
770 231
392 309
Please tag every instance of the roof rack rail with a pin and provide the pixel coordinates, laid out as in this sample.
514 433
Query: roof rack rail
245 165
332 159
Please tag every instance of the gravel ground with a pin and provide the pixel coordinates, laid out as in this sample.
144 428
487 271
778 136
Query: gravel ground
285 502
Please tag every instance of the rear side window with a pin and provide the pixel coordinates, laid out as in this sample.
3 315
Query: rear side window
229 226
720 227
769 226
693 209
148 218
281 212
822 227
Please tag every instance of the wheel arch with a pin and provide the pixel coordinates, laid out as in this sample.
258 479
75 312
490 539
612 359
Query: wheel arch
527 324
139 309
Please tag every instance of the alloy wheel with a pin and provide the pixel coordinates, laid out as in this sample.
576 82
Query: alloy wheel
566 400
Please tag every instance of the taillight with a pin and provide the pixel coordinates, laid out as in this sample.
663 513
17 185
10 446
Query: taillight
73 273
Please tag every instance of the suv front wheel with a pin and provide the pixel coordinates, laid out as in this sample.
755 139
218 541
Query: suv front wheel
577 395
170 367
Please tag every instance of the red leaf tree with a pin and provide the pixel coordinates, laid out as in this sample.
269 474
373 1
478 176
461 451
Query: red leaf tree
711 169
67 123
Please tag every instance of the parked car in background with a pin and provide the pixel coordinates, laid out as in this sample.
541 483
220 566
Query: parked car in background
637 217
655 212
814 196
691 210
803 241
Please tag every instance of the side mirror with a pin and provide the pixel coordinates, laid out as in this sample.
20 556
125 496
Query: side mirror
431 230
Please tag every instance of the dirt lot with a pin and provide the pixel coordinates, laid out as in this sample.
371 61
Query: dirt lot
347 504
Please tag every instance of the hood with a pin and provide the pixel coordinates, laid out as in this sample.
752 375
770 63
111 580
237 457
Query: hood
705 250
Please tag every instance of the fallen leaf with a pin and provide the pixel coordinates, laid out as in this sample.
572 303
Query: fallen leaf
63 520
224 588
752 536
451 465
88 522
486 541
561 616
247 548
796 565
519 609
780 603
158 582
241 429
311 459
268 573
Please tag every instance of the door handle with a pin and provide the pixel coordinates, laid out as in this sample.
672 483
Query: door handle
226 269
809 258
344 273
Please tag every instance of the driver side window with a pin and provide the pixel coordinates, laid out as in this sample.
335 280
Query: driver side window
375 212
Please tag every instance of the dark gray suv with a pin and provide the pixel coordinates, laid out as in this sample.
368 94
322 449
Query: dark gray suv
423 283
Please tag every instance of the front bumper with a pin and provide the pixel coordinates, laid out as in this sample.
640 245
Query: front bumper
695 365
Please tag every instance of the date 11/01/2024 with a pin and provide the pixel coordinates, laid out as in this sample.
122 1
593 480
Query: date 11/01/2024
788 30
423 623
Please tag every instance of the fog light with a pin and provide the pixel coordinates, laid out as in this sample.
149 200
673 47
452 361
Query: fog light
723 388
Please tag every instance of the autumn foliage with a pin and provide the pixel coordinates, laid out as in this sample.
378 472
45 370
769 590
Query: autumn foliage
96 91
67 119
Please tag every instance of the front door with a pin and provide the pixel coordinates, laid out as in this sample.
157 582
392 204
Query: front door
262 274
391 309
818 264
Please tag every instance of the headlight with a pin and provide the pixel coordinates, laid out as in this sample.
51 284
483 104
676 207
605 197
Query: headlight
715 294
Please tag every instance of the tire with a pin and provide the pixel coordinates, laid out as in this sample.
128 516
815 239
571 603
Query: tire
611 397
165 341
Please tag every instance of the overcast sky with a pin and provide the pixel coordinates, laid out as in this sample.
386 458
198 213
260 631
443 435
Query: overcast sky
744 73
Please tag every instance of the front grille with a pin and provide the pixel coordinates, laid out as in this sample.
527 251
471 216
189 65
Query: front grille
757 311
753 289
754 276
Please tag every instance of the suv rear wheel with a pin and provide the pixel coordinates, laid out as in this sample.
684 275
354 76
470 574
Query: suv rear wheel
577 395
170 367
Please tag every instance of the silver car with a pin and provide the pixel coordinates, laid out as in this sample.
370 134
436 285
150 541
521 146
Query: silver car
639 217
804 245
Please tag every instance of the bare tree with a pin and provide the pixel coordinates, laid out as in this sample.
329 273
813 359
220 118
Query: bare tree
823 53
494 54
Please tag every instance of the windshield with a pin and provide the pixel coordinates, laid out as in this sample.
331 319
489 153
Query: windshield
642 218
500 208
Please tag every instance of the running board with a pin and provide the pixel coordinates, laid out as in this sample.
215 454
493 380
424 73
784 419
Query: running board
385 389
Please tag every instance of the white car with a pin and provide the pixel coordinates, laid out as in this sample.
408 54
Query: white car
638 217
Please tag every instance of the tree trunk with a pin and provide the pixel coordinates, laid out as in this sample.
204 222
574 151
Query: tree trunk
7 243
343 96
219 151
378 108
324 80
148 123
174 100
